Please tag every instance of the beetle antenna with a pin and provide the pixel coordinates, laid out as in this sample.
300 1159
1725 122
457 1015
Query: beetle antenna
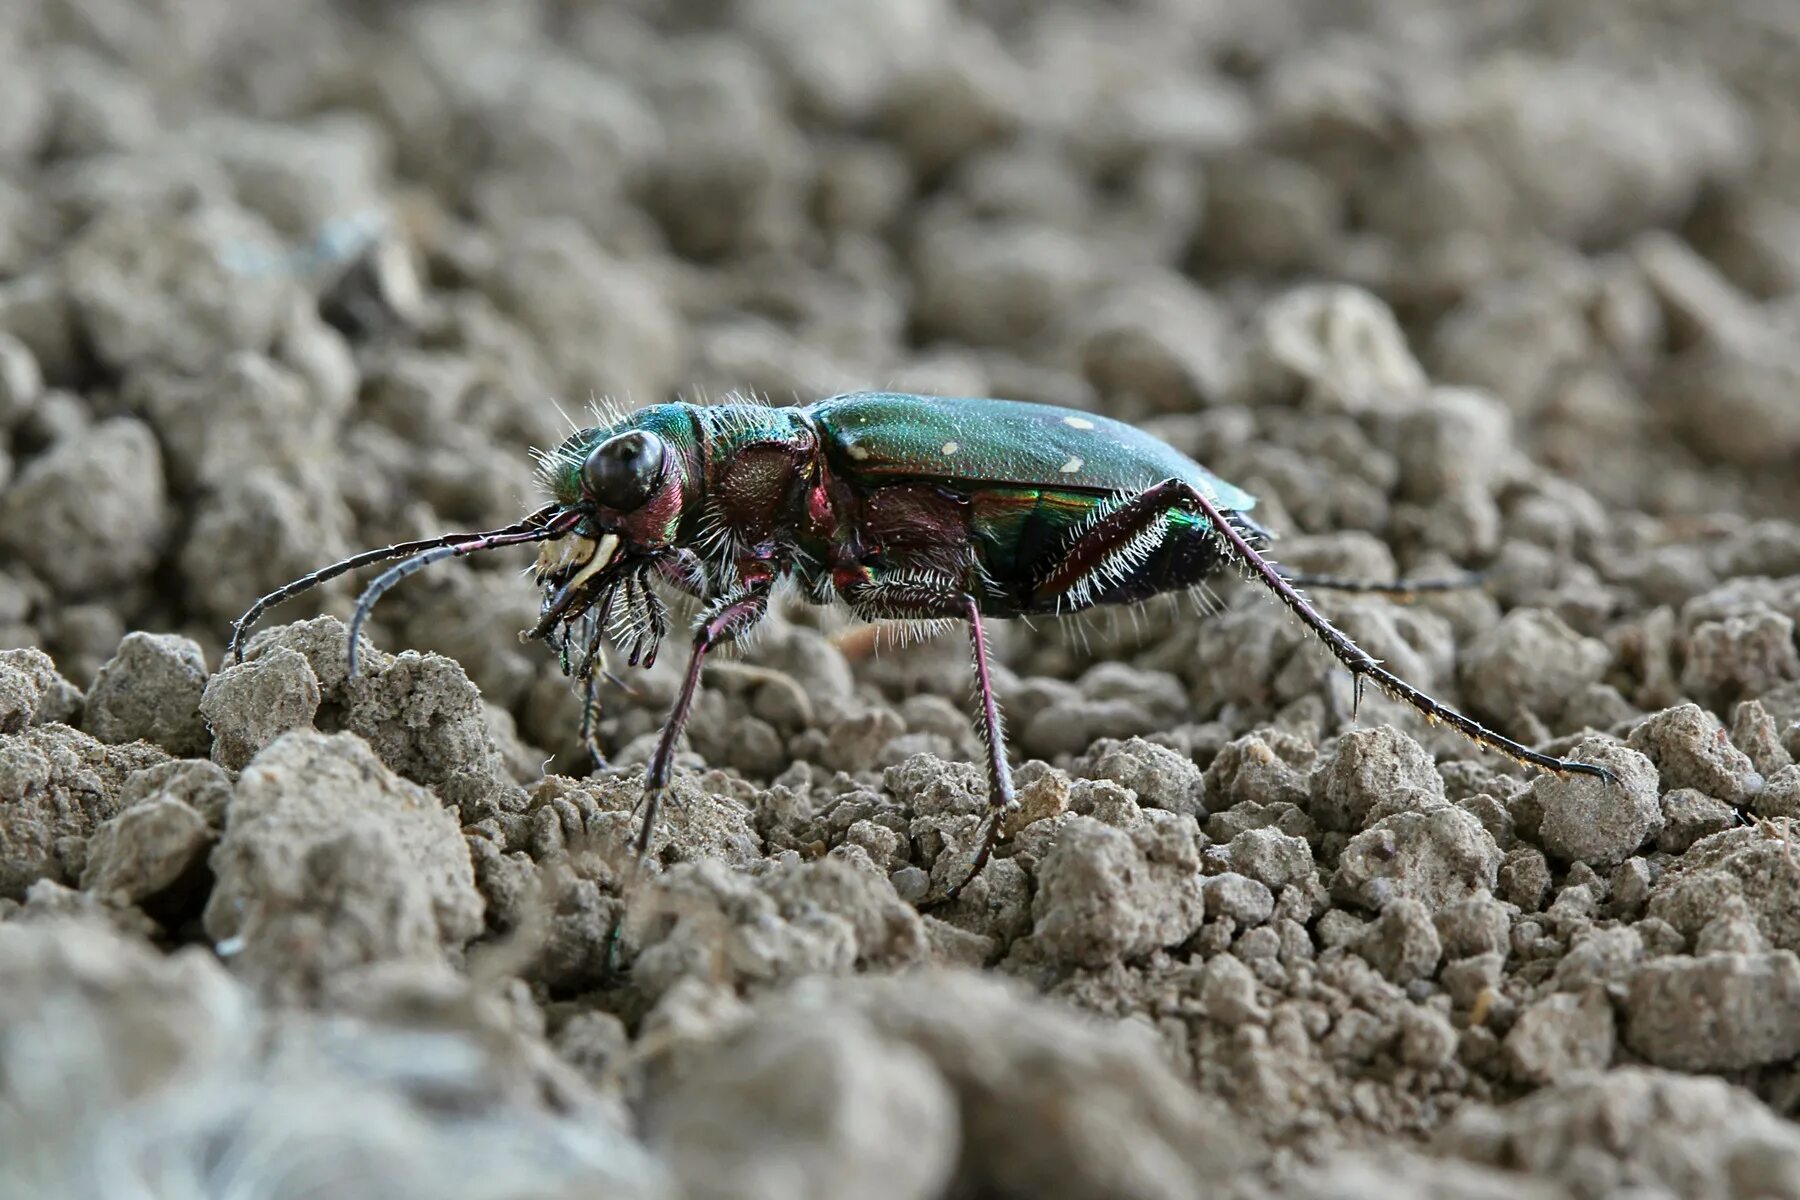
511 536
243 625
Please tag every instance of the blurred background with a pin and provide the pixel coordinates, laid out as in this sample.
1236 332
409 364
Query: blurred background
282 280
1498 285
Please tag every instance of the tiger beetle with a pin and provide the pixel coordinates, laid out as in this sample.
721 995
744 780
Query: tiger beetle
903 507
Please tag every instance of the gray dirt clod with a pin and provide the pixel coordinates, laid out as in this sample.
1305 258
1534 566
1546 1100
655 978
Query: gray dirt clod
326 848
145 850
424 719
1633 1130
1741 656
607 326
890 933
21 380
1159 342
1781 798
1755 868
1106 801
1137 1131
1160 777
1531 662
1105 895
1402 943
1589 820
174 1032
591 820
255 532
1436 857
1651 145
1369 767
246 409
1560 1037
151 690
1388 1174
1264 767
1730 932
1524 878
1271 857
1246 901
1721 1012
703 923
1753 731
32 692
1476 925
1690 749
251 703
1601 957
804 1106
1689 815
1473 981
929 786
201 785
1630 887
1334 348
1000 284
1228 992
59 784
1730 398
91 512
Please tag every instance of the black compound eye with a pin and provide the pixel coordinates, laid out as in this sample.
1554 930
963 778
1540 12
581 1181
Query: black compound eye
621 472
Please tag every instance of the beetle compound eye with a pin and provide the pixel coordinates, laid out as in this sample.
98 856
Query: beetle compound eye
621 472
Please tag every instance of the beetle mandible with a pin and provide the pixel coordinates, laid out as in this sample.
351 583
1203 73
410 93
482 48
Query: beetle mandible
902 507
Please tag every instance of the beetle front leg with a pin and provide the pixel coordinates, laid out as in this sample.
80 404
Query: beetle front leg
725 619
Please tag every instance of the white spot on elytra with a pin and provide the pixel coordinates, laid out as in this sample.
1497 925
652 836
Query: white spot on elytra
1070 467
951 447
1078 423
858 452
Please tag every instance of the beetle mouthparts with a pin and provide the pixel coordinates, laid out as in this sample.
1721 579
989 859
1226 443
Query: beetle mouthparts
574 559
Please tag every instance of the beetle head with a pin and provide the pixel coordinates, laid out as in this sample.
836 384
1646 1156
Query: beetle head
627 480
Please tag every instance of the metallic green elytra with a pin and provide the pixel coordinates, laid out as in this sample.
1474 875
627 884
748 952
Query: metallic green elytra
901 507
891 435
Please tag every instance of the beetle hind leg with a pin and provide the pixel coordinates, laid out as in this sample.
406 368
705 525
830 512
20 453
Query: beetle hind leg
1237 541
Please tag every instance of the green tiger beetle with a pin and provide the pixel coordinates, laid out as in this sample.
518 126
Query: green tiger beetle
902 507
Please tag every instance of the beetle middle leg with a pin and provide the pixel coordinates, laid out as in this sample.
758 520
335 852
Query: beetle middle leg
724 620
926 597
